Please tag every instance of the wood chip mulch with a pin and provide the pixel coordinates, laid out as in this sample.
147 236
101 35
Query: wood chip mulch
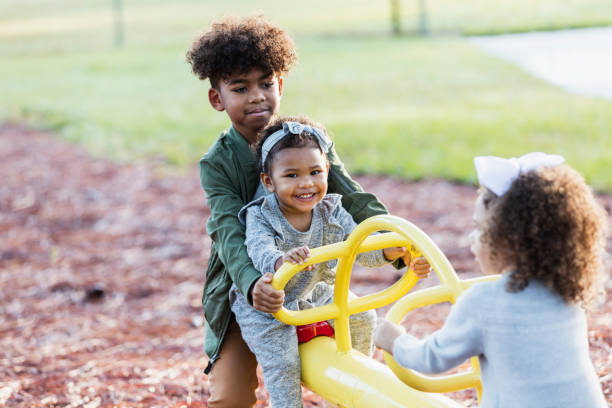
102 266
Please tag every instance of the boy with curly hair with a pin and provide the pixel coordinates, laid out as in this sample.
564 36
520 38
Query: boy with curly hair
244 61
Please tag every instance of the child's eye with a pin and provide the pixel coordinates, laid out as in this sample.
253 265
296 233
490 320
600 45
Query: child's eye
242 89
315 172
268 84
291 175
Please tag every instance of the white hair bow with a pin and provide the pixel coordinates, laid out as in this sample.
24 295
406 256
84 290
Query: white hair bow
498 174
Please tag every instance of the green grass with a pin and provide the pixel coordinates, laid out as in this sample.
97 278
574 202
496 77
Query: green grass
314 16
506 16
404 106
429 118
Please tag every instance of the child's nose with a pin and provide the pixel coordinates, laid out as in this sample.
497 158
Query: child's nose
305 182
472 237
256 96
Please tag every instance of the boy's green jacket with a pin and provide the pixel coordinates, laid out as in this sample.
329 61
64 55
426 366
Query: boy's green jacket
229 176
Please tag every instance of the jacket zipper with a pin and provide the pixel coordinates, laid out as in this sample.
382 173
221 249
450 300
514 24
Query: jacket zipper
215 355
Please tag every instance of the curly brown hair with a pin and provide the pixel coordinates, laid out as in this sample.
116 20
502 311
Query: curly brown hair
236 46
548 226
302 140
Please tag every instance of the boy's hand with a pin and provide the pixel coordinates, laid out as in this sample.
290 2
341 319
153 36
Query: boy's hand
391 254
420 265
385 335
265 298
298 255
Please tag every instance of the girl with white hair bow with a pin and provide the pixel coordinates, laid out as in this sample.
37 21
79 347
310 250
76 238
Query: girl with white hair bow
537 223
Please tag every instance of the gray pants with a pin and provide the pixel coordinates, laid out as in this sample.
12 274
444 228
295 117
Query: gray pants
275 344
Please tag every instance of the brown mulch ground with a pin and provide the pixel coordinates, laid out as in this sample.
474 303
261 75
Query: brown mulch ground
101 272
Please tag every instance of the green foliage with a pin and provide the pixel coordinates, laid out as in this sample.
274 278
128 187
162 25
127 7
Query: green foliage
395 105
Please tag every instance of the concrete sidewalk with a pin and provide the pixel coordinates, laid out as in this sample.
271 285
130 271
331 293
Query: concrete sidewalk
577 60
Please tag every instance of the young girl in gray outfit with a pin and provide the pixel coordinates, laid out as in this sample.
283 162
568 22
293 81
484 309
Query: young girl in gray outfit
281 227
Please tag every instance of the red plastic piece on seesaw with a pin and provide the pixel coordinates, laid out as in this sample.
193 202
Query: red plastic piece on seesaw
307 332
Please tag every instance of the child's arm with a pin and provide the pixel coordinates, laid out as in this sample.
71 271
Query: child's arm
420 265
385 335
358 203
370 259
265 298
460 338
223 226
295 256
378 258
262 249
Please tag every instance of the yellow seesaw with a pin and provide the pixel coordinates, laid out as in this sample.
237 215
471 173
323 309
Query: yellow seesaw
346 377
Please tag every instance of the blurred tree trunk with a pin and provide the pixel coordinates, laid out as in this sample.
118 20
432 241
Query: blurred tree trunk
423 29
118 23
395 17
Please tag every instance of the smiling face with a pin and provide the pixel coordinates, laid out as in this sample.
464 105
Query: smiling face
250 100
480 249
298 178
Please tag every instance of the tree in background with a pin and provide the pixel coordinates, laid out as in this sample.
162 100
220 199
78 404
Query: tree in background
396 18
118 23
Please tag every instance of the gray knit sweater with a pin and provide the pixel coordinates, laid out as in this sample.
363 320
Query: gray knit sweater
269 235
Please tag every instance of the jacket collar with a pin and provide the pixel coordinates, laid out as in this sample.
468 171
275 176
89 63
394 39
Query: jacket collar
245 154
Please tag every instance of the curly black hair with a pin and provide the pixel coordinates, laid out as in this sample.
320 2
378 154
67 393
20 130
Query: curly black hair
304 139
548 226
236 46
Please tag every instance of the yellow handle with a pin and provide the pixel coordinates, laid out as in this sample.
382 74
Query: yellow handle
403 233
360 240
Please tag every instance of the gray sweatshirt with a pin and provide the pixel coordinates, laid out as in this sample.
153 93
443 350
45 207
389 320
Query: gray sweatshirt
269 235
532 347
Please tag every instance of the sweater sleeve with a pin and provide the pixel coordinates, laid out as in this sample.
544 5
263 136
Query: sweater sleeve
371 259
459 338
260 241
359 204
223 226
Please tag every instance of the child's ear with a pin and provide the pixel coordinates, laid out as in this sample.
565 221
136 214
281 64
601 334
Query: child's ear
214 97
267 182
